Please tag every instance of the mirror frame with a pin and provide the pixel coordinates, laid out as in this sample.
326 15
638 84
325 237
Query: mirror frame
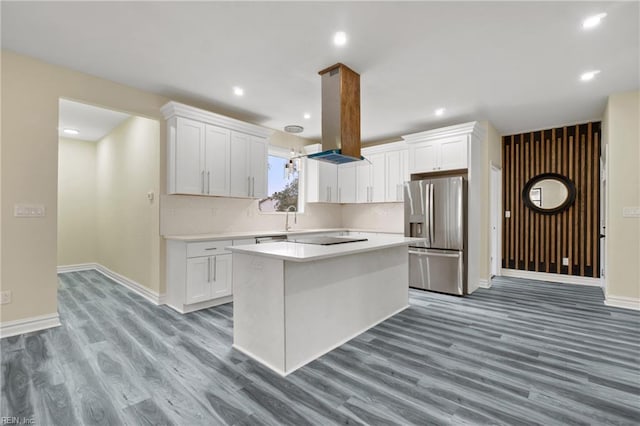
568 183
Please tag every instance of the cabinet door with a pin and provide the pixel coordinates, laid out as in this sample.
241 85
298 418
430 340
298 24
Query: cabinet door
363 181
198 288
217 146
347 183
425 158
327 182
221 278
240 180
394 176
190 175
377 178
311 181
258 167
453 153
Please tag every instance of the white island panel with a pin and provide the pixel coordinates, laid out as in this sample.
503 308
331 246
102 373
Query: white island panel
330 301
258 309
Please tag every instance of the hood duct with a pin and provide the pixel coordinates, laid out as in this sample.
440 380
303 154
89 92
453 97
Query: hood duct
340 115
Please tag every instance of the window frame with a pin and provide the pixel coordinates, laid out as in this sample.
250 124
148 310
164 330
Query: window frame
278 151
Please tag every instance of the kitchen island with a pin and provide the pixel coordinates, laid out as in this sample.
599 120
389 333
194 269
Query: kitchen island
294 302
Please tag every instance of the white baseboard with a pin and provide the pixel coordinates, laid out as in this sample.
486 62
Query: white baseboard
484 283
556 278
75 268
28 325
622 302
150 295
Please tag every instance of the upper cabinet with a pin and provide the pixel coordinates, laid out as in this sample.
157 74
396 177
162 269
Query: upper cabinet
248 166
441 149
347 183
210 154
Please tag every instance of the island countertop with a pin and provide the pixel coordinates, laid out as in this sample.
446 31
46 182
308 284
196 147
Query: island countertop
299 252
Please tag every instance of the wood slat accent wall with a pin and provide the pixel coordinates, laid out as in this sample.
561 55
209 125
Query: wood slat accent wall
536 242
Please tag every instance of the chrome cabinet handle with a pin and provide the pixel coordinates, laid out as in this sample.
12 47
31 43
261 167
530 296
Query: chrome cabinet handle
339 195
208 182
212 248
215 270
248 186
202 179
253 186
208 269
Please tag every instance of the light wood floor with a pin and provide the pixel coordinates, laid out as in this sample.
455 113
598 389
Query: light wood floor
521 353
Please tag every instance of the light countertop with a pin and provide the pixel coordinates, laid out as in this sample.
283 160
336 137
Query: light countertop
235 235
297 252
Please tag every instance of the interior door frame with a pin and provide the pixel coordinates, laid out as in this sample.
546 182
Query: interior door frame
495 219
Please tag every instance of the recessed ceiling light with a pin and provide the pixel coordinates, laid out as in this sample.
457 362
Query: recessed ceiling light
589 75
70 131
340 38
307 116
238 91
440 112
593 21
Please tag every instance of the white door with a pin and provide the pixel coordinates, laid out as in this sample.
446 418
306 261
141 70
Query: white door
495 220
198 288
327 182
240 180
363 181
190 178
425 158
603 218
258 167
217 145
394 176
453 153
347 183
221 277
377 178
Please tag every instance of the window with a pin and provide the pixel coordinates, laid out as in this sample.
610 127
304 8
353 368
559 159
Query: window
282 185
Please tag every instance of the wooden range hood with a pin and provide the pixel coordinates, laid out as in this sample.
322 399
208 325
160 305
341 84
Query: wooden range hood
340 115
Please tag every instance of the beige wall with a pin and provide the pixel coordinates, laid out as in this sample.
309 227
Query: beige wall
29 170
76 202
388 217
621 134
491 155
127 169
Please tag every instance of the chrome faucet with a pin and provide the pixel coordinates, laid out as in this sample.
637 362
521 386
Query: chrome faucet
295 217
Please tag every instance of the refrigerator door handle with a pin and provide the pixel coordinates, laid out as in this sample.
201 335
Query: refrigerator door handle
431 214
434 254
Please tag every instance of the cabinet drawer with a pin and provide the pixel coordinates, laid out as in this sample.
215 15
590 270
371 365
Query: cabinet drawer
208 248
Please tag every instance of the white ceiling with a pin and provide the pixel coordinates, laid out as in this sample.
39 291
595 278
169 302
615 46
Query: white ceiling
92 123
516 64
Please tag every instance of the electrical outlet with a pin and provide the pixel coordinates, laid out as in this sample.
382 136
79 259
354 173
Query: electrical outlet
565 261
507 214
5 297
631 212
28 210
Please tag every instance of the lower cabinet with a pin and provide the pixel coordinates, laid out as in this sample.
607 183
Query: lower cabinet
198 274
208 278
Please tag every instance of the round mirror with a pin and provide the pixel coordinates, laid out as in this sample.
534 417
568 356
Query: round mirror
549 193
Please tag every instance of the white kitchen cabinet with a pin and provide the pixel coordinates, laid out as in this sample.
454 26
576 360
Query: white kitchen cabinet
448 153
363 182
347 183
248 166
198 274
321 179
198 158
396 173
377 178
210 154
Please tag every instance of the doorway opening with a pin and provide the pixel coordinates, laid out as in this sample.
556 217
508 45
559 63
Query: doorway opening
495 230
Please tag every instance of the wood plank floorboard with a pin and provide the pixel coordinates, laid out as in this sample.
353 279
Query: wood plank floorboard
521 353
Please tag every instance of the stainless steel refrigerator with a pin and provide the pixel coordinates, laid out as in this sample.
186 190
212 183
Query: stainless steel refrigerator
435 211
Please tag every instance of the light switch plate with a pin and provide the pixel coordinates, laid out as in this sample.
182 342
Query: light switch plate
631 212
5 297
28 210
507 214
565 261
